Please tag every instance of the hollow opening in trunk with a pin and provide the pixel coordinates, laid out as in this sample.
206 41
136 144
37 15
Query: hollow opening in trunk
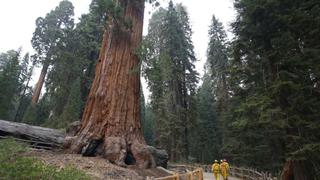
130 160
91 148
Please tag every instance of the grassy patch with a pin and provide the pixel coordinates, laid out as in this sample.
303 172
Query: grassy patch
14 166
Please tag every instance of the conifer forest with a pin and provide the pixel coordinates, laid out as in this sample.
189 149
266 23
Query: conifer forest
135 98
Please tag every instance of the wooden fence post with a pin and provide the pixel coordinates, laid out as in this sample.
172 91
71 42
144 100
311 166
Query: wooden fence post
241 172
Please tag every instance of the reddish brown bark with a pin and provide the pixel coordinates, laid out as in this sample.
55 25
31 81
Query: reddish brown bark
287 172
37 90
298 170
110 124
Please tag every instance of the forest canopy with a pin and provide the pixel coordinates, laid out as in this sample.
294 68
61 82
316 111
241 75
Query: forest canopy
256 103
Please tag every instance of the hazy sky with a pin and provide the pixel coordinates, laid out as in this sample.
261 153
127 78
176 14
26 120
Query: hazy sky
17 18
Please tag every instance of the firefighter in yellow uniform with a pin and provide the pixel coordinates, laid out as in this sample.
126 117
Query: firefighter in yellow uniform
216 169
224 169
228 167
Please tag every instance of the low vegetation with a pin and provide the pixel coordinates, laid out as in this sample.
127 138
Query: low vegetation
15 166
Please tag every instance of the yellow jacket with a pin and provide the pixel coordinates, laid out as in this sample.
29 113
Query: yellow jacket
224 166
215 167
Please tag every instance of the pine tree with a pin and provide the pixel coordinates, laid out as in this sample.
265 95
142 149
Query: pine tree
64 72
15 75
25 91
38 114
72 109
274 77
217 60
147 121
9 83
171 78
88 36
148 126
206 141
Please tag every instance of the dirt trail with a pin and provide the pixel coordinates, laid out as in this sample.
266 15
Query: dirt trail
209 176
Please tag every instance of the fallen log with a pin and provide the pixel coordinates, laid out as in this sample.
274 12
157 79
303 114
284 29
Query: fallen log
35 133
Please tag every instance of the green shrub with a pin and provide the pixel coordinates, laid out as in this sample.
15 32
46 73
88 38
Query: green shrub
15 166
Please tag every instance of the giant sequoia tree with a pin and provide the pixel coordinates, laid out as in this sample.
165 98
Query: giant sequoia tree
111 119
48 37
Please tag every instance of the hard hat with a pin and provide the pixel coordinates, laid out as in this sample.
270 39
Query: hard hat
216 161
221 160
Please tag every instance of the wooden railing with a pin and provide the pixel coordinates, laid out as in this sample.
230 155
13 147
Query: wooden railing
241 173
250 174
196 174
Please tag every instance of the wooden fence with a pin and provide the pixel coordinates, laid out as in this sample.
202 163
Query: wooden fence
241 173
250 174
192 175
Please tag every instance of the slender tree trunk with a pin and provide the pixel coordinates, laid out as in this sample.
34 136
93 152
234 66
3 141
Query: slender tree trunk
184 115
111 124
37 90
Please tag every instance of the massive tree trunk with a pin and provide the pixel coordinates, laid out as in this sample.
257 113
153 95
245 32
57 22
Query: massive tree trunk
37 90
111 124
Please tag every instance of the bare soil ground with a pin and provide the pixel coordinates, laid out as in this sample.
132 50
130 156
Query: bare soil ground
96 167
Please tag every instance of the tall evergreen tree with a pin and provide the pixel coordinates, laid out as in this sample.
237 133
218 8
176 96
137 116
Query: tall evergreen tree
148 125
75 57
52 41
9 83
25 91
206 141
48 37
88 36
15 75
217 60
72 109
64 72
147 120
171 77
274 77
